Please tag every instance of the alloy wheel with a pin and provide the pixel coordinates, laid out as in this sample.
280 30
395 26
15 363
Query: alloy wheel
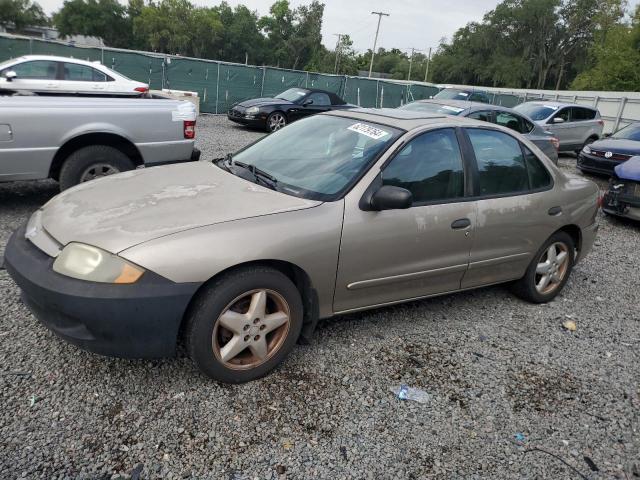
552 268
276 122
98 170
251 329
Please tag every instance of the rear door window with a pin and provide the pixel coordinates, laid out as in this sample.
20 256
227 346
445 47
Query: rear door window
430 167
579 114
483 115
539 177
509 120
82 73
501 164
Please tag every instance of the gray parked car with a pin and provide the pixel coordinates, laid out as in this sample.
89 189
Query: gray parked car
75 139
503 116
574 125
339 212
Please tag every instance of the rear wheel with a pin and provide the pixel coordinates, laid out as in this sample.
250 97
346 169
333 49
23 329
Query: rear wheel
91 162
276 121
244 324
549 270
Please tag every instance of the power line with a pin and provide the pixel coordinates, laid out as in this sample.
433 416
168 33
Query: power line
375 41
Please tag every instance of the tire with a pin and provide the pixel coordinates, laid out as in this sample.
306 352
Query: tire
226 304
104 159
276 121
528 287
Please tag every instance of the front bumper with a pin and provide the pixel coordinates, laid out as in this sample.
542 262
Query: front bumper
132 321
598 165
258 121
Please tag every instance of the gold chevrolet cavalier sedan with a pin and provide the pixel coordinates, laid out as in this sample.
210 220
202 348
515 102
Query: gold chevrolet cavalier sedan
238 258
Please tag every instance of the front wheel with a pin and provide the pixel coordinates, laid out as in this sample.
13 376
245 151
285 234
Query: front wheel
549 270
276 121
244 324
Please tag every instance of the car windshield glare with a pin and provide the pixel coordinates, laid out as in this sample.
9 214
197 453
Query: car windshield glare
432 108
630 132
320 157
292 94
536 111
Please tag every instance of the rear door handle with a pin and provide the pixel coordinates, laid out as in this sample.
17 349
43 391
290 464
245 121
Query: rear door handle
461 223
553 211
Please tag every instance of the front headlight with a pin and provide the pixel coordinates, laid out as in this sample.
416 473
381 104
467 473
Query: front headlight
252 110
85 262
587 149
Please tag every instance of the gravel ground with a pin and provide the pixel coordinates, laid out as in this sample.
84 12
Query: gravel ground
512 394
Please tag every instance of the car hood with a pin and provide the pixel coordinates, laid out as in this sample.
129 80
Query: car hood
626 147
259 102
123 210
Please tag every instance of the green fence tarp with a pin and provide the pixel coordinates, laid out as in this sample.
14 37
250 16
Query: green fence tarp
221 85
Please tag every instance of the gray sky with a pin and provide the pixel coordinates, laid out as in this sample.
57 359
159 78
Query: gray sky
413 23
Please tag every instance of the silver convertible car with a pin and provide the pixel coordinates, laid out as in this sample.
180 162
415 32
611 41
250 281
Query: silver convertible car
345 211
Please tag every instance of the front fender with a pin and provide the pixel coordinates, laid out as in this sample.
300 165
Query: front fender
308 238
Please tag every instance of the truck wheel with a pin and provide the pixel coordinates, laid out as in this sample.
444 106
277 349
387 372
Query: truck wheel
93 161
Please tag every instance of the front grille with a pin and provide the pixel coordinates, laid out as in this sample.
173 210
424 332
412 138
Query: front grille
619 157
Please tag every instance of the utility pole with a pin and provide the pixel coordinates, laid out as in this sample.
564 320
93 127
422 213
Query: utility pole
375 41
426 73
338 50
410 62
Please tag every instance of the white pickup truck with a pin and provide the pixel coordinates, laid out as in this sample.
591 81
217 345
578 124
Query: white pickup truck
76 139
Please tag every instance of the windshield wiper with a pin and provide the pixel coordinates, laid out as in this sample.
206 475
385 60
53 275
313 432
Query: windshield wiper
260 176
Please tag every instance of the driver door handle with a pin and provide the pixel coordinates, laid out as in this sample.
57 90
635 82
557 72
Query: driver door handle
461 223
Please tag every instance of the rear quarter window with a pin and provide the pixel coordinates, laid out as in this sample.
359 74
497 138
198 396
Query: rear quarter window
539 177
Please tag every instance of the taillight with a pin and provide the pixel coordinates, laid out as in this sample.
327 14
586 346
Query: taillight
189 128
141 89
555 142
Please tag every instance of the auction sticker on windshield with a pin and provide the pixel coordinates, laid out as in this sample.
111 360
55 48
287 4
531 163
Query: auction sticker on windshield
368 130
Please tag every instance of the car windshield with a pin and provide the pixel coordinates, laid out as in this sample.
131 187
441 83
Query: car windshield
428 107
536 111
319 157
630 132
292 94
452 94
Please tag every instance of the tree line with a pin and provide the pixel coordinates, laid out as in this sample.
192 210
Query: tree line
543 44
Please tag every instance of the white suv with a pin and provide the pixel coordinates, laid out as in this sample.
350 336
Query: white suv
574 125
49 75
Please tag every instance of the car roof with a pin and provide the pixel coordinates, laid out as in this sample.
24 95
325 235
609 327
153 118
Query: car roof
55 58
335 99
471 106
403 119
559 104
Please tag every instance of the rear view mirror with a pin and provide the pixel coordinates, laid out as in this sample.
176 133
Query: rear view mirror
10 75
557 120
389 197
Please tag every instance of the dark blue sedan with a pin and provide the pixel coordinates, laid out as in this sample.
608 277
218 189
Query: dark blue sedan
602 156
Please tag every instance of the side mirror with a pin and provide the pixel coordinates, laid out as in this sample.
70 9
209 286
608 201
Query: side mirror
389 197
557 120
307 103
10 75
607 135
